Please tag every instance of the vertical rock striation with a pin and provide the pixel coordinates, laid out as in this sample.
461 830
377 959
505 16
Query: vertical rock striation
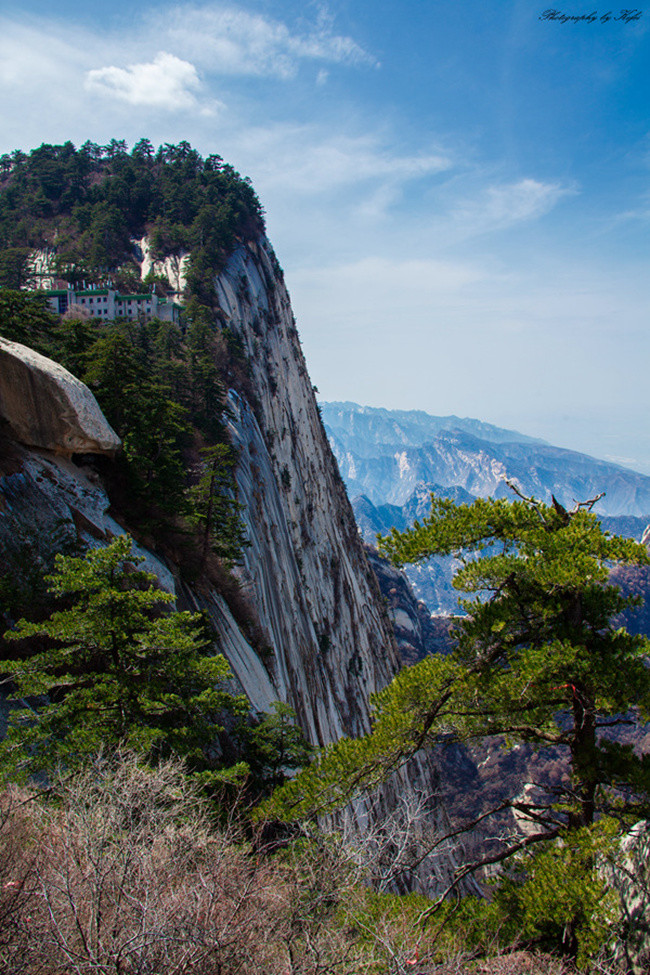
326 637
305 572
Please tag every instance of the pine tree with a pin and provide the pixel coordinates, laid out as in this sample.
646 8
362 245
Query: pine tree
213 507
113 668
540 658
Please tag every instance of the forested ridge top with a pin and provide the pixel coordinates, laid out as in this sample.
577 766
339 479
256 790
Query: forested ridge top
161 386
88 205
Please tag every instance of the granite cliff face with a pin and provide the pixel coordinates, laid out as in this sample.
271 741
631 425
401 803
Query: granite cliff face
327 636
305 572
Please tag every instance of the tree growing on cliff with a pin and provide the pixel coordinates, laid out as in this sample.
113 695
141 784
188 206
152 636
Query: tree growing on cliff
113 668
539 659
213 508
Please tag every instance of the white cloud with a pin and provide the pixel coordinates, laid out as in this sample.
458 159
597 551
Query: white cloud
166 82
225 40
302 159
510 203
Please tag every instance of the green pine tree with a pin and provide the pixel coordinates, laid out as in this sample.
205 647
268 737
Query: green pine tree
113 668
213 507
540 658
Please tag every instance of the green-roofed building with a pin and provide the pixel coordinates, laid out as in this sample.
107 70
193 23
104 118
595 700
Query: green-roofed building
106 303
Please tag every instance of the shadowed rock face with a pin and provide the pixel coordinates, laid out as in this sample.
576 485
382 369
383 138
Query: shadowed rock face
48 407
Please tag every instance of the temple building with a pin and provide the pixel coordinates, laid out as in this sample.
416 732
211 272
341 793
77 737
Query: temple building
107 303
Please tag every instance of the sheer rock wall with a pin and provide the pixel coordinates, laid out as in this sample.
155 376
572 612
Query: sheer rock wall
305 572
329 642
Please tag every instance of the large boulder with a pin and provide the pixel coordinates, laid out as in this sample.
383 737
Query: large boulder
46 406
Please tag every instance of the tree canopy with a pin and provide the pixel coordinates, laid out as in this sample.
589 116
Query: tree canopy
540 658
89 204
114 667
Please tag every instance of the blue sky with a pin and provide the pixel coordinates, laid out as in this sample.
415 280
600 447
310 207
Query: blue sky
458 192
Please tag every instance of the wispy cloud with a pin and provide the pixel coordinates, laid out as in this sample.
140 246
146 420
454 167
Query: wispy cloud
165 82
30 54
226 40
509 203
389 279
306 159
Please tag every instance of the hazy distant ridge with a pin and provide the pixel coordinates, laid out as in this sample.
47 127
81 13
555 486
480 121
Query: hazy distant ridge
388 455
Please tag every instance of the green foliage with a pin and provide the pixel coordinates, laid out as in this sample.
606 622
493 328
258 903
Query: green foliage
113 669
14 267
213 508
25 318
153 425
90 203
153 382
272 747
565 899
544 659
206 384
27 557
539 659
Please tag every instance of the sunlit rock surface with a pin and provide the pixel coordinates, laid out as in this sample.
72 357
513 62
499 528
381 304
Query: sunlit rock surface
305 571
48 407
326 637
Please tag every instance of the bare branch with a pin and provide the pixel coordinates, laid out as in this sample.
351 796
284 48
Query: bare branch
531 501
471 868
586 504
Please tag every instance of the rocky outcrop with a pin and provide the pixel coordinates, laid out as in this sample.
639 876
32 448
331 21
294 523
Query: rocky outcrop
325 636
174 267
47 501
417 632
46 406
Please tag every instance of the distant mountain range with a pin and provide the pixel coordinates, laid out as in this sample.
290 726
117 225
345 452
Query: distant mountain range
390 455
392 460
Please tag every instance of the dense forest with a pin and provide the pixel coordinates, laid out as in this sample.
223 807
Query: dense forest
90 204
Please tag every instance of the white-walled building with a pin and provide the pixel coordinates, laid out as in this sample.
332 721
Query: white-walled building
107 303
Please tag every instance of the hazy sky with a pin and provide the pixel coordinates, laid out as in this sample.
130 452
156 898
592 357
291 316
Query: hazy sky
457 191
